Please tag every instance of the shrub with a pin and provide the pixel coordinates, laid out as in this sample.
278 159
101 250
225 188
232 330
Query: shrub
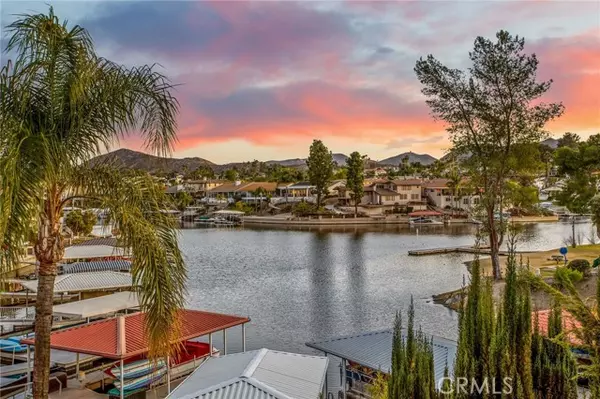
303 208
581 265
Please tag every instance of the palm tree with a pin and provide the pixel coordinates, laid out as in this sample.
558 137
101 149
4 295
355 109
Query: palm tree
61 105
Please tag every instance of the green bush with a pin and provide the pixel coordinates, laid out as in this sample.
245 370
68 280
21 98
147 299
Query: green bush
303 208
81 223
581 265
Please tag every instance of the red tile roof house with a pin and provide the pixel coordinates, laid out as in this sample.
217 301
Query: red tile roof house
439 194
570 324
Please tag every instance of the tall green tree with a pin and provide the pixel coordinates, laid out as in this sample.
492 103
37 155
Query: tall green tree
595 208
60 105
554 368
578 164
490 110
355 179
80 223
183 199
413 374
320 168
587 313
569 139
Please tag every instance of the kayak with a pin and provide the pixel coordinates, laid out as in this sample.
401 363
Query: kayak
140 382
137 369
10 345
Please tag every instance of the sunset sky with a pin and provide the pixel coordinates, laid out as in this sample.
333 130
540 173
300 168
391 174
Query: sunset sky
260 80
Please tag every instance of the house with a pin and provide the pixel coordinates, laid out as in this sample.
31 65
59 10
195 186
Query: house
241 190
410 191
199 188
301 189
262 373
174 189
381 193
439 194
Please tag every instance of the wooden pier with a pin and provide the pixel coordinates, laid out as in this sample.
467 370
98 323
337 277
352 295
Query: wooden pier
454 250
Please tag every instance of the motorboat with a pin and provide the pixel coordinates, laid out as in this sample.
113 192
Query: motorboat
425 221
140 373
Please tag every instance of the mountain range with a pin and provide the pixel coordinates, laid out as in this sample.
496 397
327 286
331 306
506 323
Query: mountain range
153 164
423 159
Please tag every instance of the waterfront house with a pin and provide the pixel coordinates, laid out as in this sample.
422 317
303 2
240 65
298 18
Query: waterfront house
262 373
438 193
364 355
300 190
242 190
410 191
199 188
381 193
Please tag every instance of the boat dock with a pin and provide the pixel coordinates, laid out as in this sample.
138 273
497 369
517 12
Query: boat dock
454 250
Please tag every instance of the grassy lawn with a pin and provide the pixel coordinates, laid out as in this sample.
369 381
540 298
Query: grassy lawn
543 259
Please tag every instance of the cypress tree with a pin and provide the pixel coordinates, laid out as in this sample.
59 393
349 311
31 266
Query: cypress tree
554 368
412 362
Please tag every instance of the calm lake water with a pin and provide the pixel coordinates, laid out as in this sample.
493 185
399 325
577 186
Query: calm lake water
309 284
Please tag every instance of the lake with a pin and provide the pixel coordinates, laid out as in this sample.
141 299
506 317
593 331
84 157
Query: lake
300 285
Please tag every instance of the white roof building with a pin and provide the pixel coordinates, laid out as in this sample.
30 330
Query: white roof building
259 374
93 251
78 282
98 306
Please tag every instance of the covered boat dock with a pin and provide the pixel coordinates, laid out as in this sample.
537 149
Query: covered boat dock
124 337
364 355
98 306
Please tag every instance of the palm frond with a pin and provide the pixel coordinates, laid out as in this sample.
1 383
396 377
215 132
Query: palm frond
136 204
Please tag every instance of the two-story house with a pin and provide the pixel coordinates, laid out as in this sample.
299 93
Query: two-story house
440 194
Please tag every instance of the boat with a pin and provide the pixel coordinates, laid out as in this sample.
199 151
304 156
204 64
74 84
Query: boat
425 221
11 345
204 220
137 368
138 383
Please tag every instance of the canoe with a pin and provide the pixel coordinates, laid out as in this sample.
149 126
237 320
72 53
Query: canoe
8 345
137 369
141 382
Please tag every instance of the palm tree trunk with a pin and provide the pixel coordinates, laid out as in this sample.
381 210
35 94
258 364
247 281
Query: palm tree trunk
48 251
43 328
355 208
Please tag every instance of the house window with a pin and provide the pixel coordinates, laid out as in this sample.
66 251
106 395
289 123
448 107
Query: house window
475 200
405 188
403 196
414 196
466 201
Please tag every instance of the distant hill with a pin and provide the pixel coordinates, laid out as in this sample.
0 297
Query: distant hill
153 164
340 159
424 159
552 143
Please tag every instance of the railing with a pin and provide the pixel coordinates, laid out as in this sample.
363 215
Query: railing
28 393
15 313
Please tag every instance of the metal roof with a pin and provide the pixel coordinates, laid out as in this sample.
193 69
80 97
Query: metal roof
91 281
97 306
96 266
110 241
93 251
374 350
257 374
124 336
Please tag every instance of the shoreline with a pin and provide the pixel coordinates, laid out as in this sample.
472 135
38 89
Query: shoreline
369 221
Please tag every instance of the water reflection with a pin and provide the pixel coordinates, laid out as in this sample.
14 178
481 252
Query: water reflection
356 274
321 281
300 285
